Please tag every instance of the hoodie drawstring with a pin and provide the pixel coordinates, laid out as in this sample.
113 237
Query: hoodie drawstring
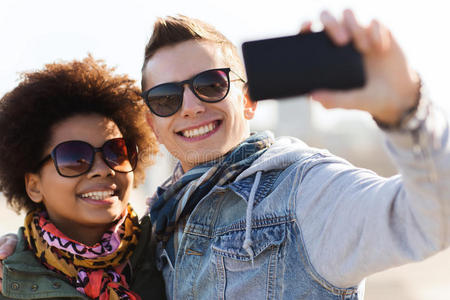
248 219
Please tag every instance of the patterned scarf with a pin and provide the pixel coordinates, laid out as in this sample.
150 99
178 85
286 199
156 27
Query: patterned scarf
172 205
94 271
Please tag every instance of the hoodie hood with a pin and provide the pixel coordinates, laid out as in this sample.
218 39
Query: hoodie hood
284 152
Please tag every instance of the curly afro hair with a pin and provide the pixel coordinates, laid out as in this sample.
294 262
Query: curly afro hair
53 94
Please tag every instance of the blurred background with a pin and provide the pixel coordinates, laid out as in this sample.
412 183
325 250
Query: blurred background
33 33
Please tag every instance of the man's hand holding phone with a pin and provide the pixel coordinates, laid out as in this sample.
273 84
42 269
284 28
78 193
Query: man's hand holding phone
375 77
392 87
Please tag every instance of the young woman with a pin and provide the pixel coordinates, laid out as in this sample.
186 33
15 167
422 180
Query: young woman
73 142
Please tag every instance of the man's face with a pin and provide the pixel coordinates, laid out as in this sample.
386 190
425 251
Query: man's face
198 131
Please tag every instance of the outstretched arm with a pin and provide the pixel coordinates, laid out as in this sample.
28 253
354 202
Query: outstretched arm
355 222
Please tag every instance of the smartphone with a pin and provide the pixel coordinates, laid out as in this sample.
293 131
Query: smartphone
295 65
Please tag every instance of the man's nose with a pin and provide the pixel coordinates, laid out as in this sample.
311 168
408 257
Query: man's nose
192 105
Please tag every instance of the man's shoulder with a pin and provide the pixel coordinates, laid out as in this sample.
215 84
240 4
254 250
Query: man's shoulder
289 144
282 154
291 150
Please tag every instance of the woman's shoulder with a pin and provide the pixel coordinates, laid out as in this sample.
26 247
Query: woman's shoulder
24 277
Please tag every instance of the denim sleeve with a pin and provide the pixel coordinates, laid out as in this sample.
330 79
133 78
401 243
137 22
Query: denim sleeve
355 223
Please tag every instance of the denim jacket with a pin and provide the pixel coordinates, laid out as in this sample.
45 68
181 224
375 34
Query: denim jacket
212 264
301 223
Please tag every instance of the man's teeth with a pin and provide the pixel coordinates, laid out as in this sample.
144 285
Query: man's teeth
199 131
97 195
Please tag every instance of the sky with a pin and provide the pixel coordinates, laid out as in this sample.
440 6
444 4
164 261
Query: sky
33 33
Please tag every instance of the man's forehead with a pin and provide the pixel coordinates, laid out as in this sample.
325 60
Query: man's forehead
182 61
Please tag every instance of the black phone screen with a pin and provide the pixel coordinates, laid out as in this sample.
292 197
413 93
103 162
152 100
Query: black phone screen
295 65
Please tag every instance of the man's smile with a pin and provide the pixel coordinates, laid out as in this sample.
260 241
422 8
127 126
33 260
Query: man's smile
201 130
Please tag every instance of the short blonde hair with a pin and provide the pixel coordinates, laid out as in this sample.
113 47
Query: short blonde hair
170 31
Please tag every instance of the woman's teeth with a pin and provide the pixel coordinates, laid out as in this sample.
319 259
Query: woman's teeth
199 131
97 195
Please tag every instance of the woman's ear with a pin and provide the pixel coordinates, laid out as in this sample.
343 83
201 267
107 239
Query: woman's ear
33 187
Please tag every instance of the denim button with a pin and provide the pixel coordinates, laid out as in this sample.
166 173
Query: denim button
56 285
15 286
34 287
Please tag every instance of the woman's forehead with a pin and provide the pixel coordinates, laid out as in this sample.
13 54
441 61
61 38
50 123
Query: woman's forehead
92 128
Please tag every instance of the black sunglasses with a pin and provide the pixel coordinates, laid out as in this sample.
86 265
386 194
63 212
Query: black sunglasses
75 158
210 86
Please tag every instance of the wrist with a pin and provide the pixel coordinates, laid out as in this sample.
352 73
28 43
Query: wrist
402 97
411 117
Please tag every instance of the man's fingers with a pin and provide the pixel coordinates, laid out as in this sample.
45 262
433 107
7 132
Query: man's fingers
335 30
7 245
339 99
306 27
359 33
380 36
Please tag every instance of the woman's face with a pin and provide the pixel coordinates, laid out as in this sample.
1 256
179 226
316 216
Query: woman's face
89 203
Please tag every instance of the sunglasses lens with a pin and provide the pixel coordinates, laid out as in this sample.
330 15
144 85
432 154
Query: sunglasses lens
119 156
164 100
73 158
212 85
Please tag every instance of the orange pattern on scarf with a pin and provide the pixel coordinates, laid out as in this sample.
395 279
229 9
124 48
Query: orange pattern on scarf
99 277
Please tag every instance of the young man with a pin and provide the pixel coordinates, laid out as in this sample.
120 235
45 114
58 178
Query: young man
252 217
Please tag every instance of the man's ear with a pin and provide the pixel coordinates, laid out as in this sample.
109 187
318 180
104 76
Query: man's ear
249 106
149 118
33 187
